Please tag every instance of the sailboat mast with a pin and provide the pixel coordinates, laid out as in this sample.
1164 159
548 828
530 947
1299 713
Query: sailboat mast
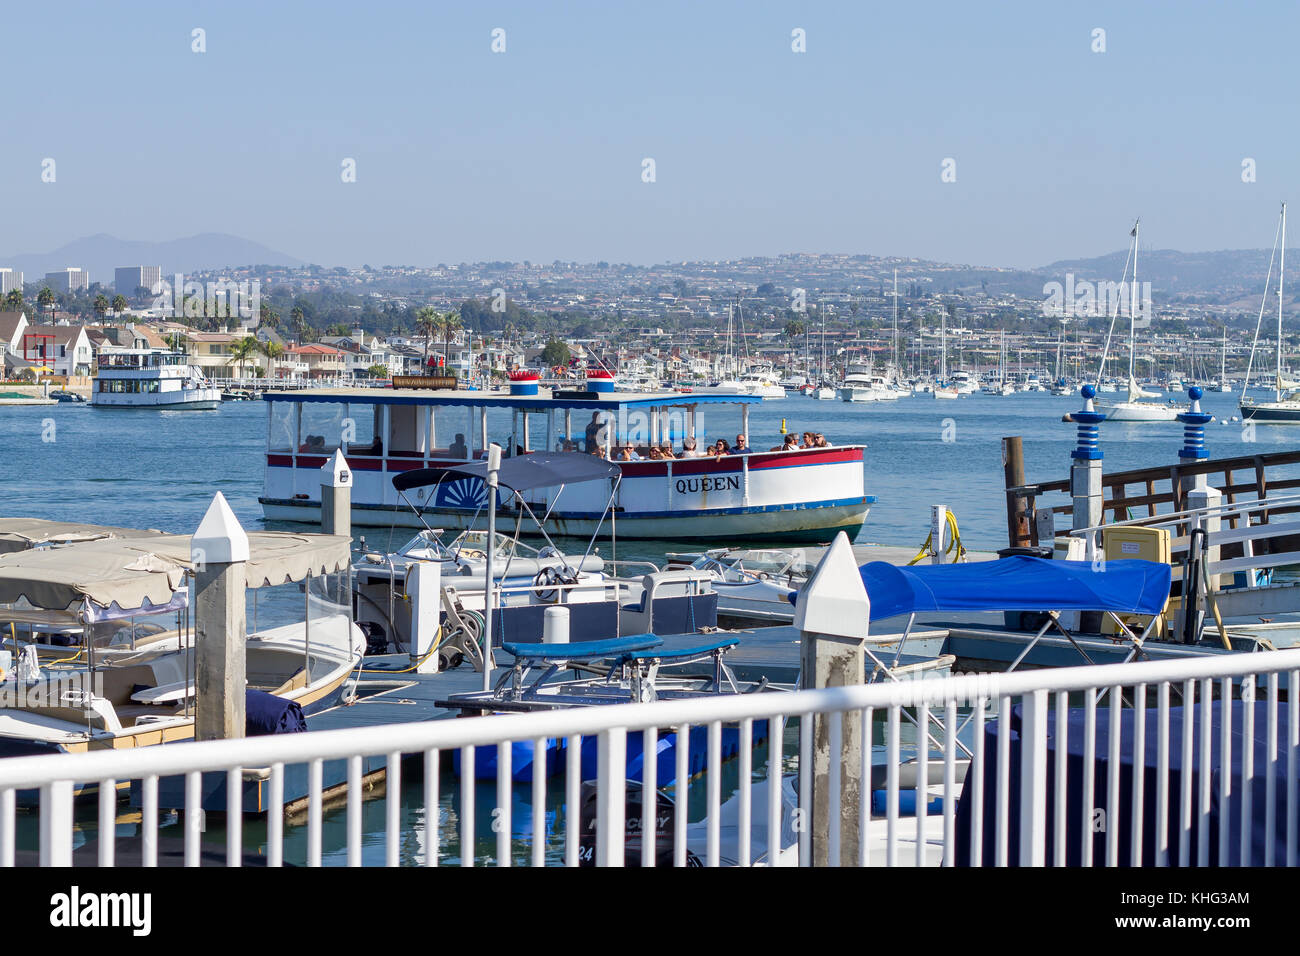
1132 308
1281 275
895 321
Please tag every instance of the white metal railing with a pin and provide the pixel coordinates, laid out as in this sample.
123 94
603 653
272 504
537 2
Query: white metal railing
1184 816
1246 534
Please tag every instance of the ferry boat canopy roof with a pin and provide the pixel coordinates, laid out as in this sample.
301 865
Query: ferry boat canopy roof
559 399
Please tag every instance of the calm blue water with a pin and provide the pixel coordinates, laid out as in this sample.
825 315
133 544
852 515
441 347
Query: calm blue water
160 469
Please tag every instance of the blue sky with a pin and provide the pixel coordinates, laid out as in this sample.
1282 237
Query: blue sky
536 153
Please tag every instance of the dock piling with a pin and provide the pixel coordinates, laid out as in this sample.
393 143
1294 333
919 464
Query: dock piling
219 551
336 496
832 616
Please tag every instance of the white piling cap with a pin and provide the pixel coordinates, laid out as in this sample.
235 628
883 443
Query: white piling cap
335 473
220 538
834 601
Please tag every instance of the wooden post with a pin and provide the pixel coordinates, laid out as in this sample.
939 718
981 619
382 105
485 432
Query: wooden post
832 615
219 551
1013 468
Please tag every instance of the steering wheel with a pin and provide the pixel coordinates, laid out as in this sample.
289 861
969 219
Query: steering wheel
472 553
545 584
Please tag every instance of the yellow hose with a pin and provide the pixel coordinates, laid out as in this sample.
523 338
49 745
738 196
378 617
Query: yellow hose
954 542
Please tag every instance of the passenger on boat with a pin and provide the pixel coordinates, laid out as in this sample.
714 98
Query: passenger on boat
819 441
688 449
711 451
791 443
458 448
723 447
666 449
593 432
628 453
742 446
809 440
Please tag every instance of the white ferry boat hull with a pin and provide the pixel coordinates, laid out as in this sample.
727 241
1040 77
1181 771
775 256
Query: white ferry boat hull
799 495
195 400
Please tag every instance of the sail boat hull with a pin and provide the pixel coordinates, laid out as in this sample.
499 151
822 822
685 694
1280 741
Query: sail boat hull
1274 413
1141 412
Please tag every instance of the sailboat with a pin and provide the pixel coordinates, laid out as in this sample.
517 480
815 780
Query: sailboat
1280 411
943 388
1221 383
1134 409
824 392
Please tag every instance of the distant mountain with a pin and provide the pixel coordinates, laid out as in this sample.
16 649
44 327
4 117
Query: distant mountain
1173 273
102 254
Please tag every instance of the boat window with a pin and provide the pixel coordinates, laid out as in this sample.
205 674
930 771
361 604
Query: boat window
407 430
360 428
281 434
454 429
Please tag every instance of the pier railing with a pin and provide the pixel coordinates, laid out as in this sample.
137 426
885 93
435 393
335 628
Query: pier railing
1175 787
1127 494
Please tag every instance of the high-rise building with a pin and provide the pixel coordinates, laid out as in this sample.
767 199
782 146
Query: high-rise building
126 280
10 279
68 280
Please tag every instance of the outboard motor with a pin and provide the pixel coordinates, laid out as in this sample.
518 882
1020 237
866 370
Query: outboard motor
665 813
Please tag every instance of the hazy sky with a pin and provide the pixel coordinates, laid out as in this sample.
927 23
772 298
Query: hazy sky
536 153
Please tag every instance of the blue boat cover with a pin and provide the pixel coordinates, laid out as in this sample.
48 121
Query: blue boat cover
1071 750
267 714
1017 584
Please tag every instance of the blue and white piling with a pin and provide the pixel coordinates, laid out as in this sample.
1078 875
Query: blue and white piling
1202 495
1085 463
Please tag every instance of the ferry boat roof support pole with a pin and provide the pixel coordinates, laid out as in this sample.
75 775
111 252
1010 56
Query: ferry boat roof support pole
489 595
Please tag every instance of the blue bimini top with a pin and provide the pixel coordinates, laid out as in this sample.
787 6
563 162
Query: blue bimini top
1018 584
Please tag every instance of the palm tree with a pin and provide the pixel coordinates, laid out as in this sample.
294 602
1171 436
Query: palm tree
101 306
450 325
45 300
299 320
14 300
119 304
427 320
241 350
272 350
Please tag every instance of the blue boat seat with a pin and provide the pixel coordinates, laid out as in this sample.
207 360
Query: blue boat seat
679 653
582 650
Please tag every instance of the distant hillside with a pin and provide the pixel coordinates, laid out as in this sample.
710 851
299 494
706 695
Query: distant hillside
103 253
1180 273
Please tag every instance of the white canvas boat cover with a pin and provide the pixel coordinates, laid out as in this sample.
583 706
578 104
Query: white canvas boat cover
20 534
146 573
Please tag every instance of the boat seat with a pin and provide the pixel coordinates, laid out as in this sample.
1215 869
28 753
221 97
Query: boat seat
679 653
165 693
297 681
582 650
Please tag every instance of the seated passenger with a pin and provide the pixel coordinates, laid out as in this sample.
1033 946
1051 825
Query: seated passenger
742 446
666 450
688 449
656 454
820 441
458 448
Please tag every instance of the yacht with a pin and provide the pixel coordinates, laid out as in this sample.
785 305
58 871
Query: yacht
152 378
861 384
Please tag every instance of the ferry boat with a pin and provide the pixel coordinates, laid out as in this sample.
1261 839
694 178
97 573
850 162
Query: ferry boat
798 495
152 378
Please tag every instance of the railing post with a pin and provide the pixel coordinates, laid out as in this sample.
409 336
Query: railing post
832 615
1033 779
56 823
611 770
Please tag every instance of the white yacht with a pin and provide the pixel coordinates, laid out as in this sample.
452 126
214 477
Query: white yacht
152 378
861 384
